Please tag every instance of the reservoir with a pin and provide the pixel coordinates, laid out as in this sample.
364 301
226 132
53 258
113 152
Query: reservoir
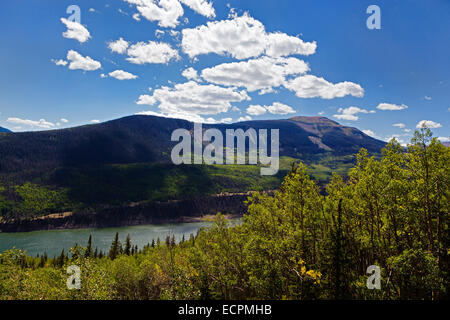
53 241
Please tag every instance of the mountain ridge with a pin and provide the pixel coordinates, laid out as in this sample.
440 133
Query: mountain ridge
142 138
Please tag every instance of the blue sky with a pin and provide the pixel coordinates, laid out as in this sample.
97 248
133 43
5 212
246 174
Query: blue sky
251 59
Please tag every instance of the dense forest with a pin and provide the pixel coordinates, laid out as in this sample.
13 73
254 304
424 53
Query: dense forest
391 212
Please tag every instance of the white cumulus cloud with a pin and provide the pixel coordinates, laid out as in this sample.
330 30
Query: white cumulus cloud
256 74
256 110
428 124
59 62
78 62
309 86
349 113
280 108
165 12
242 38
370 133
193 98
151 52
275 108
75 31
202 7
391 107
118 46
246 118
122 75
190 74
42 123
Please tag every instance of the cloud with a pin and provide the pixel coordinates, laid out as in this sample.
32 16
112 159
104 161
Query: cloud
122 75
63 120
95 121
397 138
275 108
137 16
256 74
59 62
226 120
190 74
118 46
280 108
151 52
191 97
391 107
165 12
78 62
399 125
42 123
256 110
428 124
242 38
427 98
370 133
202 7
123 12
246 118
281 44
159 33
444 139
177 115
349 113
309 86
75 31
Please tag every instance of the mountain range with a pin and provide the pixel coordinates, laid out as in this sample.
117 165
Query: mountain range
120 172
146 139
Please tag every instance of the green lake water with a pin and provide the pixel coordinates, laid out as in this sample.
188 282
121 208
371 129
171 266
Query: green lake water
53 241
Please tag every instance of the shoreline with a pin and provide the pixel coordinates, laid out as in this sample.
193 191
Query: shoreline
202 209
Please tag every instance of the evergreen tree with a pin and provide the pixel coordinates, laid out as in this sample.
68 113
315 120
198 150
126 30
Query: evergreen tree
128 245
88 252
116 248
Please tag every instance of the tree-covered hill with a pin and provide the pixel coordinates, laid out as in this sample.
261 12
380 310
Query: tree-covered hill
128 160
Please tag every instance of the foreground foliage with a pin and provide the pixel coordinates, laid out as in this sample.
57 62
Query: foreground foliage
295 244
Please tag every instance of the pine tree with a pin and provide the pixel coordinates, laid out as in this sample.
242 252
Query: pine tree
88 252
172 241
168 241
128 245
61 259
114 250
